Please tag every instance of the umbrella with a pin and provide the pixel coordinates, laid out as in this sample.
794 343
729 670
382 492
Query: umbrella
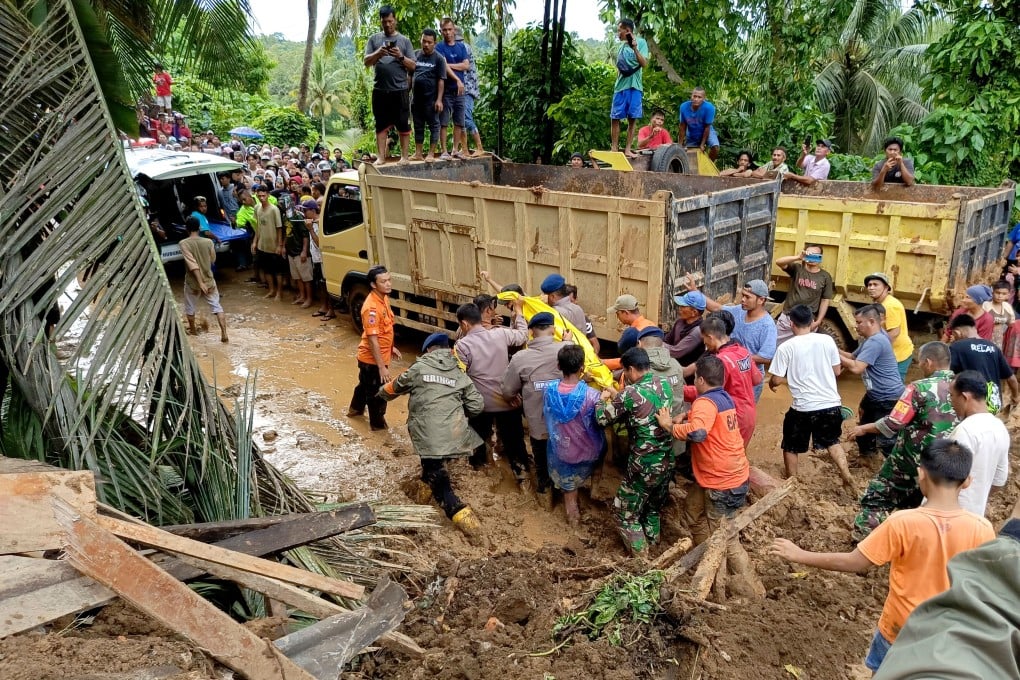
143 143
245 131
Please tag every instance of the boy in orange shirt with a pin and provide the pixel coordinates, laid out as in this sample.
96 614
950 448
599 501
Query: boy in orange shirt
918 542
721 470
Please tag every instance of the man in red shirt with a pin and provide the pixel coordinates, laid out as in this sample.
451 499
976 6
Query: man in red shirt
721 470
742 373
655 134
375 350
162 81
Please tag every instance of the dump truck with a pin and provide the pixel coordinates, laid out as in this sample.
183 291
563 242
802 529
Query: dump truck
436 227
932 241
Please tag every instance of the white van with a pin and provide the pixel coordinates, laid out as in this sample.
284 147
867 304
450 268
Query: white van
169 180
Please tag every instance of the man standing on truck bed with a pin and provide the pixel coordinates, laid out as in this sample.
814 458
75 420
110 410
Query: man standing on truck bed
628 90
427 102
457 64
810 285
697 129
392 55
895 169
375 350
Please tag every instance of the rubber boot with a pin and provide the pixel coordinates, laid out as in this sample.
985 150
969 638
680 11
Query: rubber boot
466 521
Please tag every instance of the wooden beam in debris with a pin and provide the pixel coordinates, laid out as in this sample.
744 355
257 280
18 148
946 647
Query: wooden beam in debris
153 537
96 552
26 515
35 591
343 519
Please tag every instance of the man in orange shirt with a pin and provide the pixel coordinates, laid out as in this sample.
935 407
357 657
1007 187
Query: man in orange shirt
375 349
918 542
627 312
721 470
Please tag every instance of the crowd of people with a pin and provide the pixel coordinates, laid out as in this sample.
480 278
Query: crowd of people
682 409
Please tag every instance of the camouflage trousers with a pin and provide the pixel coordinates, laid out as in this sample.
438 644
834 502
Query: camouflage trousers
893 488
642 493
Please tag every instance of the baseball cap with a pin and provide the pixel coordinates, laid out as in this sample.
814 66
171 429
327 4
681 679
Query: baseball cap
880 276
316 156
577 154
692 298
826 143
552 283
628 339
542 319
759 288
436 340
324 165
310 204
651 331
624 303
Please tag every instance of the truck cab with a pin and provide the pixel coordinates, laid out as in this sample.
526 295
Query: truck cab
344 242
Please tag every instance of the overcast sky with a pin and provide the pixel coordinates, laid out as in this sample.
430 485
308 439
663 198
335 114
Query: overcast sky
290 19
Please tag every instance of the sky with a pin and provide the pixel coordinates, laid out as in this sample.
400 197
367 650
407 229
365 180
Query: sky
273 16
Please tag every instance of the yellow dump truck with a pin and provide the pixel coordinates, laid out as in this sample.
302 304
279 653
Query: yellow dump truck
437 226
932 241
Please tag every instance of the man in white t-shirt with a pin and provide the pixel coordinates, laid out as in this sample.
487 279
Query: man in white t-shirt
809 363
985 436
816 167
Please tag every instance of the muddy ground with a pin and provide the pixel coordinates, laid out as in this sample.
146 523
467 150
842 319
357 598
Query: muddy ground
490 613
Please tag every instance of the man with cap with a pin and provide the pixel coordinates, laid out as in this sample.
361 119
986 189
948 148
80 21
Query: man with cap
810 285
483 352
816 167
973 305
627 312
442 398
576 160
376 349
753 326
880 290
684 340
555 288
530 371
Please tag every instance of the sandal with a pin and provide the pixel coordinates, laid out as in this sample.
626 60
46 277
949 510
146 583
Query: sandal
319 313
328 317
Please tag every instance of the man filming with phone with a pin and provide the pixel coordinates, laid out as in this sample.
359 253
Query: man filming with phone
629 89
392 55
895 169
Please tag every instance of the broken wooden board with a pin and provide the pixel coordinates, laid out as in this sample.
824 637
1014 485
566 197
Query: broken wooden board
266 535
34 592
325 647
299 599
153 537
26 515
96 552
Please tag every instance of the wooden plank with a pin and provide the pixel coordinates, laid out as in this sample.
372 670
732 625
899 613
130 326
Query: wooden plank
26 515
740 522
99 554
34 592
715 554
325 647
153 537
269 535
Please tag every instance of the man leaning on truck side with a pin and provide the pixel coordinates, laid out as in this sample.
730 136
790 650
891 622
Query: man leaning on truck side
375 349
809 285
392 55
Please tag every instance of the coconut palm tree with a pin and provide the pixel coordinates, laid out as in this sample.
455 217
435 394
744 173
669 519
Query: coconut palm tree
306 63
869 72
328 92
211 39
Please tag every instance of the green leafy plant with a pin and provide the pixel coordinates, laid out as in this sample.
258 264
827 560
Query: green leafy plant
626 598
285 126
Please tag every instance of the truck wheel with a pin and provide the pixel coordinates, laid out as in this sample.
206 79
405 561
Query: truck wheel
355 299
670 158
836 331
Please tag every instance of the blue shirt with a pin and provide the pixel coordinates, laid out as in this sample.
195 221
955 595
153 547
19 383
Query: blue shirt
882 376
455 54
696 120
203 223
758 337
1014 238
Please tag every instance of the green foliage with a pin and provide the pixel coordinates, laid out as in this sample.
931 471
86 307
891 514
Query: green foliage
285 126
213 108
582 114
626 598
850 167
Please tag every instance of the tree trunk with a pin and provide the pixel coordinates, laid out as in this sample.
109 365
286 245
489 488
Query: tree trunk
306 65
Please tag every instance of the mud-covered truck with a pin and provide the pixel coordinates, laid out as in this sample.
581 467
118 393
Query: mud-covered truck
436 227
932 241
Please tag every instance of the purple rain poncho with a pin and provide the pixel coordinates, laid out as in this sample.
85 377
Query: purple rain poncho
575 439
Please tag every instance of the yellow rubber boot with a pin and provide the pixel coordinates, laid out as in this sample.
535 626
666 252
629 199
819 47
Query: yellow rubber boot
466 521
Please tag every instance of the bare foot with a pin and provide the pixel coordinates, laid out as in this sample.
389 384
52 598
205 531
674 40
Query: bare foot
306 304
629 154
297 301
477 152
277 298
270 294
403 161
223 338
430 159
417 157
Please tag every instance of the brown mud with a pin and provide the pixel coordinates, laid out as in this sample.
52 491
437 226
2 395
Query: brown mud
490 613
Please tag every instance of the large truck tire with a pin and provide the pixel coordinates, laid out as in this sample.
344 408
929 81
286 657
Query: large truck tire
670 158
355 300
834 329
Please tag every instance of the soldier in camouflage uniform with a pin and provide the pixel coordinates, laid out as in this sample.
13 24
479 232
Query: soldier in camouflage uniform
664 366
922 415
645 484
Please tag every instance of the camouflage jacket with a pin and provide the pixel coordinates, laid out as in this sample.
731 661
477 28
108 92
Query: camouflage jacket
635 406
922 415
